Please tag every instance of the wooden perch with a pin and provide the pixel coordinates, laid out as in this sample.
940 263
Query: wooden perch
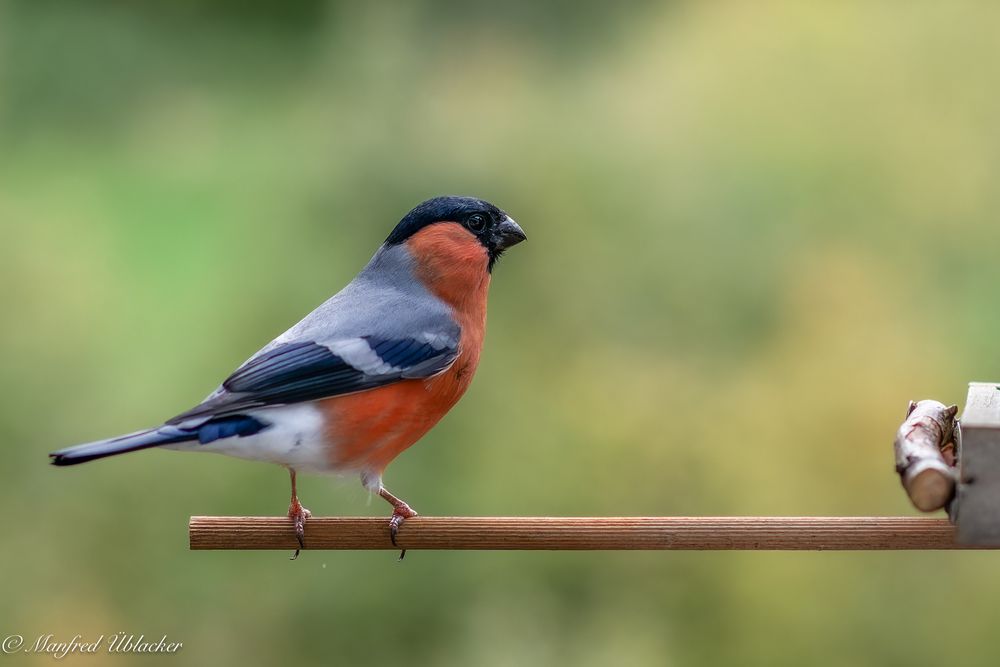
580 533
928 479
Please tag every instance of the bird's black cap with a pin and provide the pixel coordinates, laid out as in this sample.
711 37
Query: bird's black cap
492 226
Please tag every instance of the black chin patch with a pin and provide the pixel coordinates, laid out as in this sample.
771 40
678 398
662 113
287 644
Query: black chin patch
495 255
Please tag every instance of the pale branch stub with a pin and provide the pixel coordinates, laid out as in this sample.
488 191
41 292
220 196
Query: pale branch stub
928 478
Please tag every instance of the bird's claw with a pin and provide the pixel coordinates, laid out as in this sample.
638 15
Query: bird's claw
400 513
298 514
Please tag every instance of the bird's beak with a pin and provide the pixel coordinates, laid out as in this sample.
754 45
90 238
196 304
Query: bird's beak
508 233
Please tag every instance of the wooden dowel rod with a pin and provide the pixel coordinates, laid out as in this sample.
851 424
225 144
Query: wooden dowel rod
581 533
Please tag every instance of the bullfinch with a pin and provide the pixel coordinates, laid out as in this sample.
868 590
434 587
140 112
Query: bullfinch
367 373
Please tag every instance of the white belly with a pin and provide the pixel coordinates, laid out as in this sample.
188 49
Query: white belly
295 438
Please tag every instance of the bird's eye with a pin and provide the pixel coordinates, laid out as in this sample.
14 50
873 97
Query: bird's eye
476 222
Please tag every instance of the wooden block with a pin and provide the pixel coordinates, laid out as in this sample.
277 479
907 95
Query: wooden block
976 510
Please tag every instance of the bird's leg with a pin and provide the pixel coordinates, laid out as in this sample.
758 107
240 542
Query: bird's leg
400 510
298 514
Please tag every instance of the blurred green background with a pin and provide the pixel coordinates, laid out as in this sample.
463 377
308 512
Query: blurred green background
756 231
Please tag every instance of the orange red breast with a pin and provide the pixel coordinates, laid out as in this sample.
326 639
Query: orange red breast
367 430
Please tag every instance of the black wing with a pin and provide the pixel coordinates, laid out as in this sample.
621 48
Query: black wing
305 371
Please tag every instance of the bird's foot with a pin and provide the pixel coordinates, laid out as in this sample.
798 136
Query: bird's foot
400 513
400 510
298 514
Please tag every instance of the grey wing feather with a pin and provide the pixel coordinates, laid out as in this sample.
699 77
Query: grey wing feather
383 327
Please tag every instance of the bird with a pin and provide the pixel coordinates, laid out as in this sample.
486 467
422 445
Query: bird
363 376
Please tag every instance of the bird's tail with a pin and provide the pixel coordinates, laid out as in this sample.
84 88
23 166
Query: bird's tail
154 437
